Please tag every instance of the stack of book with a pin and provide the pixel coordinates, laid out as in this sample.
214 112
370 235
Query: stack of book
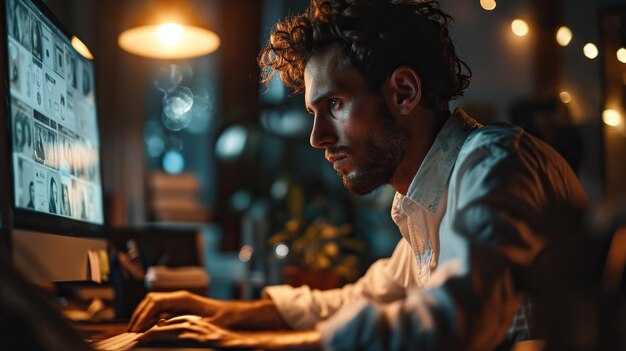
176 198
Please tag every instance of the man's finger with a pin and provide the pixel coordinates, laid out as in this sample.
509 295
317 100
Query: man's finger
144 318
203 338
173 331
180 319
138 311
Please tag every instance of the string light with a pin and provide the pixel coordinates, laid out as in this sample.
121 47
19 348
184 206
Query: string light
590 51
488 4
565 97
621 55
611 117
563 36
519 27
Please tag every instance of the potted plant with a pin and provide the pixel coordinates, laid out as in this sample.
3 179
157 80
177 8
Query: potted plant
321 254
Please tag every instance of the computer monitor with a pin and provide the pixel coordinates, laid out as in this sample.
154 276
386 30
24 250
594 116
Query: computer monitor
56 207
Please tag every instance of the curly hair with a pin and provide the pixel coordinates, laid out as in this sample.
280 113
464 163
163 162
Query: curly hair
375 37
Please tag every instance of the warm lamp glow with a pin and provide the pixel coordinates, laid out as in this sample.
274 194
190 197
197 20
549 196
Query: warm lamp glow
488 4
169 41
170 33
81 48
590 51
565 97
519 27
621 55
563 36
612 118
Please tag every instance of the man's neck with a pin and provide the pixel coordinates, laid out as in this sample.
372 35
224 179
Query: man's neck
422 127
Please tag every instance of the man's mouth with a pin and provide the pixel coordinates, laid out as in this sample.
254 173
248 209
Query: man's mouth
334 158
338 161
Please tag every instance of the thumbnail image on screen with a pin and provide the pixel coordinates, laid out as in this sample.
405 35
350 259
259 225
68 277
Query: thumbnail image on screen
53 119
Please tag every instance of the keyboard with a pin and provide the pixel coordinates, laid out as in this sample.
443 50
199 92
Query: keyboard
121 342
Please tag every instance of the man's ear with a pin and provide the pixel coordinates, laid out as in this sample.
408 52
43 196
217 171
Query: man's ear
405 89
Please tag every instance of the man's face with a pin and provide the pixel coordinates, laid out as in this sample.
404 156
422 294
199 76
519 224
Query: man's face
19 132
66 198
362 138
55 192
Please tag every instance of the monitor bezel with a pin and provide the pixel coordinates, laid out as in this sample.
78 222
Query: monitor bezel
28 219
6 191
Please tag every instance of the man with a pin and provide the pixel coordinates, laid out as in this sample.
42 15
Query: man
475 205
40 150
31 195
20 134
66 208
54 196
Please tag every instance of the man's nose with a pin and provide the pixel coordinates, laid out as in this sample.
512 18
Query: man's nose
323 133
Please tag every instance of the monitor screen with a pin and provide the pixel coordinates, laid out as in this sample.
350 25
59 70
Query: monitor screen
52 109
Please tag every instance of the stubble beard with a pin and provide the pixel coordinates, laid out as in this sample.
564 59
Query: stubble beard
383 153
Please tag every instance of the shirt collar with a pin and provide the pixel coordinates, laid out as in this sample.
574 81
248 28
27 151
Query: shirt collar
432 176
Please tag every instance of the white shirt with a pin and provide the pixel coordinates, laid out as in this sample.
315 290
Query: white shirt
483 204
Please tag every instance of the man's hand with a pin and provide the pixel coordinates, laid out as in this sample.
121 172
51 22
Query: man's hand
201 330
157 305
249 315
189 327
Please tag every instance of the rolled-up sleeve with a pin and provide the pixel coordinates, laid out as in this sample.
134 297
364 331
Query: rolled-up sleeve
385 281
509 195
407 324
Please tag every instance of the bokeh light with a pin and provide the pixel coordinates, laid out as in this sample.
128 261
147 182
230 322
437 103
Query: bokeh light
590 50
176 105
563 36
245 254
154 137
279 189
240 200
519 27
286 122
231 143
177 102
201 112
200 100
168 78
611 117
173 162
621 55
565 97
488 4
281 250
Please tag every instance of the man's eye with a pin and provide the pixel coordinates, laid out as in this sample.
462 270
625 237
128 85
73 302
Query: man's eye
334 103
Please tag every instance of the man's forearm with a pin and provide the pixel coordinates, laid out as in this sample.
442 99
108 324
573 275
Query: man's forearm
278 340
250 315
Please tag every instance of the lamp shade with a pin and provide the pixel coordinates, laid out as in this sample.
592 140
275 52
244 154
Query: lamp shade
167 29
169 41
